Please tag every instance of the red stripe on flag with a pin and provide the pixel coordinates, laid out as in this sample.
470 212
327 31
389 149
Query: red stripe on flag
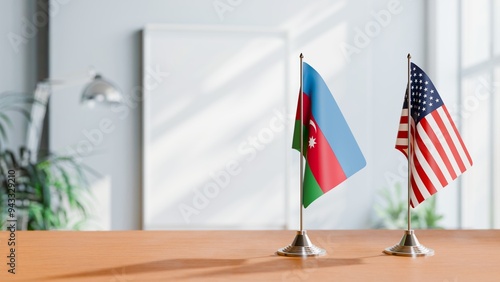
437 144
403 119
431 161
307 109
322 160
403 134
457 134
423 176
449 141
417 193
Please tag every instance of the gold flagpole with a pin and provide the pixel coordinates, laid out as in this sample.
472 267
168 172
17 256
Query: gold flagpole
409 245
301 245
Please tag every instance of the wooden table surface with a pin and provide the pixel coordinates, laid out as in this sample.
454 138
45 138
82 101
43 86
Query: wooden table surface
354 255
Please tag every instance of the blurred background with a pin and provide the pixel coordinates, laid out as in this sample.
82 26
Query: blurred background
201 138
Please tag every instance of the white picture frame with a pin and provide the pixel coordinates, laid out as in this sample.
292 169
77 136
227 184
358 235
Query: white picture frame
209 91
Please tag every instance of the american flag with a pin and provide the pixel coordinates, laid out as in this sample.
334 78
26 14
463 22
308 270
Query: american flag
437 152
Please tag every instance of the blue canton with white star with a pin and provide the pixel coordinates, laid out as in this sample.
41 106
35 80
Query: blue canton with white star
424 96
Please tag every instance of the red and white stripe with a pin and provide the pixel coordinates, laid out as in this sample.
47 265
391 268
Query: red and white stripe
438 154
402 138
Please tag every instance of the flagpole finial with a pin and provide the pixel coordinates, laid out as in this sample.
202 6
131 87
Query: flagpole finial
409 56
301 56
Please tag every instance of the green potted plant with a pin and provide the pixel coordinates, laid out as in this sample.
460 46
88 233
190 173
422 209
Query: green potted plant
50 193
392 212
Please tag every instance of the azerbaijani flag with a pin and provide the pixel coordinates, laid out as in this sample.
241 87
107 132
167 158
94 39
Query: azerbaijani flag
332 154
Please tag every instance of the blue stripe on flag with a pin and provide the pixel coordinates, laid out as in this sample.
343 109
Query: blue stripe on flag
332 123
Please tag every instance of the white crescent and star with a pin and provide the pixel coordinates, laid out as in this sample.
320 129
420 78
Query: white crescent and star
312 140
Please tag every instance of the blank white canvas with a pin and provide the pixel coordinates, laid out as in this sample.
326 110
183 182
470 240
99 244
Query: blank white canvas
215 128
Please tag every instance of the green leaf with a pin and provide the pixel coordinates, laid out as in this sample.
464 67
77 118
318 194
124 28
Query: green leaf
56 185
3 134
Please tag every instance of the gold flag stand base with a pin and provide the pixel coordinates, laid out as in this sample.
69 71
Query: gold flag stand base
409 247
301 247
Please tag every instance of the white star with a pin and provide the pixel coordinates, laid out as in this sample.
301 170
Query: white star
420 87
420 81
437 100
424 103
425 96
420 74
425 89
423 109
426 82
432 98
432 91
312 142
430 104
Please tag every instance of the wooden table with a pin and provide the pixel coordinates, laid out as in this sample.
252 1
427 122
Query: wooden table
247 256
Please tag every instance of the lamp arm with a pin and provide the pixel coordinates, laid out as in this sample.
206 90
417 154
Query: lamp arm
39 109
71 81
37 116
98 88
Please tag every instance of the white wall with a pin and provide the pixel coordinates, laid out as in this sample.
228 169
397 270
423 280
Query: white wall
18 58
463 65
369 87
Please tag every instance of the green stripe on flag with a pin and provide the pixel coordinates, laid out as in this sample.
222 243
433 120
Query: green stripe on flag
312 191
296 136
